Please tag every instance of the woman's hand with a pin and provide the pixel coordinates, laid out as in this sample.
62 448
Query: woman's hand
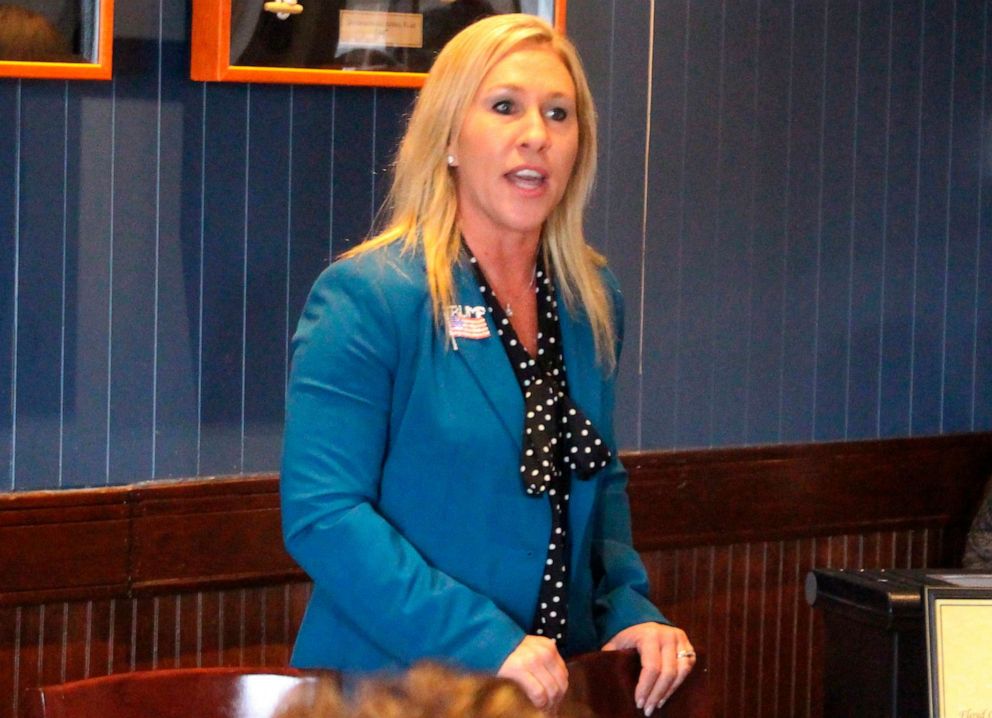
667 657
538 668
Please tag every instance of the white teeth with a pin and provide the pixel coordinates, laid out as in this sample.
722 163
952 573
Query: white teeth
527 179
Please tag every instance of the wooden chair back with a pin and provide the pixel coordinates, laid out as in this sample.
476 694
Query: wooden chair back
179 693
605 682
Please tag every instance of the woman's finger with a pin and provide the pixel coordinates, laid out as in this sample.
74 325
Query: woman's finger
665 672
685 661
534 688
538 668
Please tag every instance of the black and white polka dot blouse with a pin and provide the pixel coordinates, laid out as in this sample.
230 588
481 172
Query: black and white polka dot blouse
558 438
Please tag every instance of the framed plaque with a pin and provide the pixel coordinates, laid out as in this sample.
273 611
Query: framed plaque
59 39
336 42
959 648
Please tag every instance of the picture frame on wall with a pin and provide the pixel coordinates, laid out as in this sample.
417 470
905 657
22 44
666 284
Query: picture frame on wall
57 39
385 43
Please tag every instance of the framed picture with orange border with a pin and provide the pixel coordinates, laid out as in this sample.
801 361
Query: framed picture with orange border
76 43
384 43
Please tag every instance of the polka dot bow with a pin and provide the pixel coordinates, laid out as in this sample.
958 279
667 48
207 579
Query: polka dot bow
553 423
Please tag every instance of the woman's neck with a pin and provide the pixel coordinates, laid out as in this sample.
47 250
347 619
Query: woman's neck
509 266
507 263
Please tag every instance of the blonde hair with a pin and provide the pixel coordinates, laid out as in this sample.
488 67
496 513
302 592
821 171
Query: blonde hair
432 691
427 690
422 208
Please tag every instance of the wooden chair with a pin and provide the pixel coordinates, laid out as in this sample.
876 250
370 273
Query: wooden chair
167 693
605 682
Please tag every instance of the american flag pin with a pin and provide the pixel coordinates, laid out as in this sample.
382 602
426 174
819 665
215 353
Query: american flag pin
467 322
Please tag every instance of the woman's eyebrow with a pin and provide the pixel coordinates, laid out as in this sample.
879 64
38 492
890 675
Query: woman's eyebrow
520 88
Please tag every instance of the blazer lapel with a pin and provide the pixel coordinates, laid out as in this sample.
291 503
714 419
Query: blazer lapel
486 360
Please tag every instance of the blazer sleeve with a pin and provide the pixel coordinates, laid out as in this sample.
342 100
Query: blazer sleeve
338 407
619 579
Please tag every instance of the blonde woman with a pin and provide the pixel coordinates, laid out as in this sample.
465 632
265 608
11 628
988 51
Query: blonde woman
450 480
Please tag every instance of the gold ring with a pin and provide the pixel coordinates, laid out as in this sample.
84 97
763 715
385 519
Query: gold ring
685 654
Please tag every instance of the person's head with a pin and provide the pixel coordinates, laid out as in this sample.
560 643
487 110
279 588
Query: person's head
433 691
423 178
422 209
427 690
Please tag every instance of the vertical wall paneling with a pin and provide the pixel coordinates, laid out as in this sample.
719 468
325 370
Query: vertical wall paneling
392 108
937 120
89 266
9 160
732 241
743 604
767 234
878 99
964 179
40 285
267 216
587 22
699 190
867 220
622 80
804 222
135 241
981 411
225 167
661 274
178 256
67 641
837 155
791 195
354 170
903 153
311 199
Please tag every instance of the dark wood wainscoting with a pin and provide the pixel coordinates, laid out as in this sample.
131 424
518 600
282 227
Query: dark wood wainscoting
192 573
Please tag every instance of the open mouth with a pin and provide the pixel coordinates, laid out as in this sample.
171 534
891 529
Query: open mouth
527 179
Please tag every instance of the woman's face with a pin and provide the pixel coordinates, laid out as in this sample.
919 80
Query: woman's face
517 146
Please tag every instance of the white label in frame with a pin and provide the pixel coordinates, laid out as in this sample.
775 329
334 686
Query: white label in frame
368 28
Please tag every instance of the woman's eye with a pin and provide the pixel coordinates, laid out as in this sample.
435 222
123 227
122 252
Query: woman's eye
558 114
504 107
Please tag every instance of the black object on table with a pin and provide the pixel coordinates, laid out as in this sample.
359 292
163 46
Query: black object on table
875 648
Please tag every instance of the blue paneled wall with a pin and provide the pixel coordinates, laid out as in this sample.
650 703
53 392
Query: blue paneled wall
810 187
795 197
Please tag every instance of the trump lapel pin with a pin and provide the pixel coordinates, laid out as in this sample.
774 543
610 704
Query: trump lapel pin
466 322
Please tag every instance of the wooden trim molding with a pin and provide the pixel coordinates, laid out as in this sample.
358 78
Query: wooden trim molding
157 537
217 532
63 544
766 493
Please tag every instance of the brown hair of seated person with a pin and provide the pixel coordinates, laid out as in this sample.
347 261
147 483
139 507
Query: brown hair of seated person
425 691
29 36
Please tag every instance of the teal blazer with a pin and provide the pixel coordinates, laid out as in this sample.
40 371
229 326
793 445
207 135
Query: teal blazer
401 494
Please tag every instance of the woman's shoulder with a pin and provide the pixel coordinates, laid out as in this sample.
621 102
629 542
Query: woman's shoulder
392 272
378 292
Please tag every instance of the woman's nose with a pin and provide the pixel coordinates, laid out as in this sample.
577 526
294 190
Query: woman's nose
534 133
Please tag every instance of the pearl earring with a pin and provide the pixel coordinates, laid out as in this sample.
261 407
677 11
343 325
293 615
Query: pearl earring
451 160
